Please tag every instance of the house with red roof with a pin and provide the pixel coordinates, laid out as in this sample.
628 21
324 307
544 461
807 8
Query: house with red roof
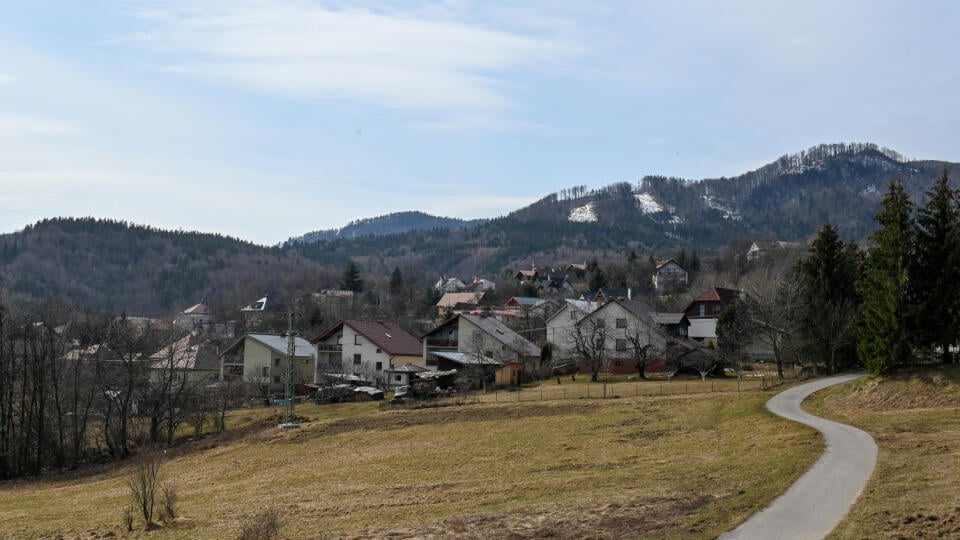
365 348
704 310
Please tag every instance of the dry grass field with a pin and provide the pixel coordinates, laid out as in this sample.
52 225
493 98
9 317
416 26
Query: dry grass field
915 418
681 466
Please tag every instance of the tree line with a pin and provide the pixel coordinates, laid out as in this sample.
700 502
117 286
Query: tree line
77 388
892 304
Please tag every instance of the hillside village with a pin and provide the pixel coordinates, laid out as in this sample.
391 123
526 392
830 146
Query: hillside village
474 340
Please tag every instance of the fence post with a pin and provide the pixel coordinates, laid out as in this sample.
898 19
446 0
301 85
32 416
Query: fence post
541 393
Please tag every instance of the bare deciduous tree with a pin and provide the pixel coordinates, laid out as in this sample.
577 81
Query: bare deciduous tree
589 339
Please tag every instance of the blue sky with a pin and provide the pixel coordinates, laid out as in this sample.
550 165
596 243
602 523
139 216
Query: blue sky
265 120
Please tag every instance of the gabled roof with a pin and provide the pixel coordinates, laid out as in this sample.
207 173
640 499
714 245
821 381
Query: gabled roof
389 337
190 352
278 343
262 304
668 261
199 309
636 307
452 299
718 294
584 306
503 334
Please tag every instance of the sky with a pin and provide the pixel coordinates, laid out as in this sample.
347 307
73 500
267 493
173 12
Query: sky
268 119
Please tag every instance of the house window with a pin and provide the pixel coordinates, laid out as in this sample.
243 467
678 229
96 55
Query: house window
621 323
276 361
618 363
573 314
703 310
276 378
356 360
379 366
621 344
601 323
488 354
304 361
398 378
264 371
379 351
357 340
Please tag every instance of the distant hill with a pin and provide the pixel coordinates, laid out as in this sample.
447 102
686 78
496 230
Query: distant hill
112 266
389 224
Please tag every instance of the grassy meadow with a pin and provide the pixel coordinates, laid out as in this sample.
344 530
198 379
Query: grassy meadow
914 415
673 466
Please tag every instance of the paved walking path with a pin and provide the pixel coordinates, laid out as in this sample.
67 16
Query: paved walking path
815 504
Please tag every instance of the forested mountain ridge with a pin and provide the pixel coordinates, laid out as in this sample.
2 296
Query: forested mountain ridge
396 223
111 265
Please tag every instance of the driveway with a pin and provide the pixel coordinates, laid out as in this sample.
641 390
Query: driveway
816 503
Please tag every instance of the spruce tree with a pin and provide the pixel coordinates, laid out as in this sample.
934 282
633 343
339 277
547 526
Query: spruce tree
884 326
829 275
396 282
934 278
351 278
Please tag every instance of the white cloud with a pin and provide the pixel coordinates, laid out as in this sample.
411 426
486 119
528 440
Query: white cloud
6 79
306 51
13 125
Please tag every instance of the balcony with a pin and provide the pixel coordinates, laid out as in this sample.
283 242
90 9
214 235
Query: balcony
328 348
442 343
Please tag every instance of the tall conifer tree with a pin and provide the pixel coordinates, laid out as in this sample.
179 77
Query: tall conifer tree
934 278
884 326
829 276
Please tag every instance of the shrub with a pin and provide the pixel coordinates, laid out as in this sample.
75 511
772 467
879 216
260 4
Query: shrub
127 517
169 493
262 526
144 481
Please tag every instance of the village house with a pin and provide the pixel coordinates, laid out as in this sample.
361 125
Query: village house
457 302
480 284
623 325
261 361
449 285
369 349
561 324
475 341
704 310
760 249
192 358
669 276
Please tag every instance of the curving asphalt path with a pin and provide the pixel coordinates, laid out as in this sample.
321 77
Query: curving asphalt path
815 504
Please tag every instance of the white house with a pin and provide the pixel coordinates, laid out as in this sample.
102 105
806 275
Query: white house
561 324
368 349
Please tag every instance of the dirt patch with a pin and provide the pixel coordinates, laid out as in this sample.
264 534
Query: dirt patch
921 525
628 519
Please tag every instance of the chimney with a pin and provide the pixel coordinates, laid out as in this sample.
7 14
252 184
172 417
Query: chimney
629 293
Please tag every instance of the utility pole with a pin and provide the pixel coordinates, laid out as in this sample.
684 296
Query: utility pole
289 421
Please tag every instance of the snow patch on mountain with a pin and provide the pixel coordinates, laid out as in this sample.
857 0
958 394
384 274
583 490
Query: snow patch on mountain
716 204
648 205
584 214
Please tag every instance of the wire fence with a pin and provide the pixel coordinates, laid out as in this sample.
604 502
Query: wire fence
566 389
